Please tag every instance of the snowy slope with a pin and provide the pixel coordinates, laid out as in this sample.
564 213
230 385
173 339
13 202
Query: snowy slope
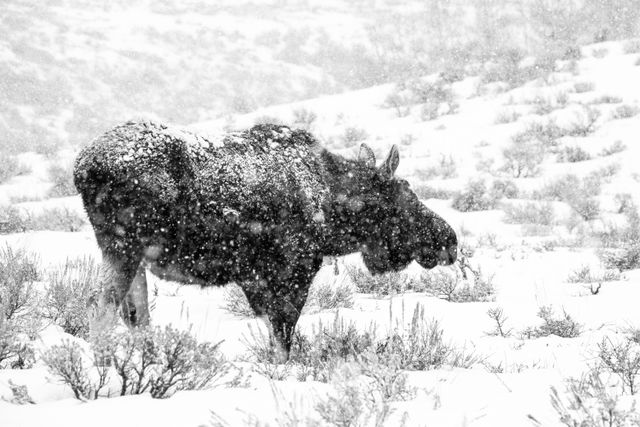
525 273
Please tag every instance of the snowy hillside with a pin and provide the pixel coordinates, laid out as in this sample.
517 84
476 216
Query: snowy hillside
57 87
493 159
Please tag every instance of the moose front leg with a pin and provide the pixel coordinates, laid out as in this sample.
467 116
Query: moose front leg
281 300
284 311
260 296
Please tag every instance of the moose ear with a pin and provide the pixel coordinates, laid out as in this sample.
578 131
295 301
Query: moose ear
391 162
366 156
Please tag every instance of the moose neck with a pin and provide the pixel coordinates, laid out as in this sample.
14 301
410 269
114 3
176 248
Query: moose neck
345 225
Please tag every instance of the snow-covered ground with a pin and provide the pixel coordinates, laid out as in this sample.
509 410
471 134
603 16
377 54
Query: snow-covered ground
527 274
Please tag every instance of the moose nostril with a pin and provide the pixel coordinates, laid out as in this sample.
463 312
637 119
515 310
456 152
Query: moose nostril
453 254
448 256
443 257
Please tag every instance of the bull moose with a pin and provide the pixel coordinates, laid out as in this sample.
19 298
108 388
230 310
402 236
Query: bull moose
260 208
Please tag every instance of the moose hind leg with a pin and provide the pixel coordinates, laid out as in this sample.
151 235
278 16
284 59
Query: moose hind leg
135 307
116 276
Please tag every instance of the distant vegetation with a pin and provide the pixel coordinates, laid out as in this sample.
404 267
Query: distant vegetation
192 69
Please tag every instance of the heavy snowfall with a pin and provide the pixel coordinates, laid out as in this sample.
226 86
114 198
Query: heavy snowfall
319 213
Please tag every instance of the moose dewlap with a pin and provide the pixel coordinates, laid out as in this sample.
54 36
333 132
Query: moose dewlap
260 208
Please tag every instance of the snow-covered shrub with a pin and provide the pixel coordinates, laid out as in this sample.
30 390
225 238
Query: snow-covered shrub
622 250
573 155
622 359
454 69
633 334
56 219
348 407
240 102
18 270
445 168
435 98
562 99
615 148
475 197
61 176
266 120
263 350
546 133
485 165
18 302
304 118
505 67
600 52
529 213
625 258
588 209
15 351
585 123
325 349
70 287
387 375
582 87
354 401
504 188
407 139
440 283
423 91
564 327
497 315
429 111
422 346
363 392
352 136
544 105
475 289
606 99
67 362
327 296
10 167
419 347
584 274
381 284
464 284
12 220
624 201
590 402
625 111
154 360
507 116
523 158
235 301
579 194
181 362
399 101
425 191
567 187
631 46
20 394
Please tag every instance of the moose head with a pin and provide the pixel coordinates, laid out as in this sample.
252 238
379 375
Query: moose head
406 229
386 218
